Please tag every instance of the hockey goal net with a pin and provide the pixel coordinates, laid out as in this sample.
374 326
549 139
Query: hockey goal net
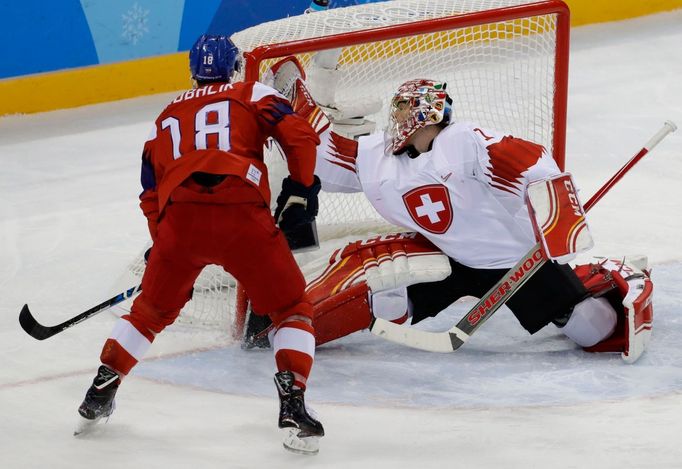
505 63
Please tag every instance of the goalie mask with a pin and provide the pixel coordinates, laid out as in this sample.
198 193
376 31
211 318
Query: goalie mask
416 104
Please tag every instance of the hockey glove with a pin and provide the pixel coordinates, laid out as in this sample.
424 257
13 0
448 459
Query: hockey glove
296 204
295 213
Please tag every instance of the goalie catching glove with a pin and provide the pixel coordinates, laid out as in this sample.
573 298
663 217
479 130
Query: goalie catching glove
313 97
296 210
287 77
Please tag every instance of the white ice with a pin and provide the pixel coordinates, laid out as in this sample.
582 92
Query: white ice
69 225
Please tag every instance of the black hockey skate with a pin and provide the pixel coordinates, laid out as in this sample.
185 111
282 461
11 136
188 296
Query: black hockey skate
256 331
99 400
302 430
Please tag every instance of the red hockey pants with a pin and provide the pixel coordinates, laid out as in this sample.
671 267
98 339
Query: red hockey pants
229 225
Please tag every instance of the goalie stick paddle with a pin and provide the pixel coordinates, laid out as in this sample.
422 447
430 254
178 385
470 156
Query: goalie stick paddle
40 332
499 294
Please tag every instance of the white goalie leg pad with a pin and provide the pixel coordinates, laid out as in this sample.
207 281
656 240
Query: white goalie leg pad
323 77
390 304
592 321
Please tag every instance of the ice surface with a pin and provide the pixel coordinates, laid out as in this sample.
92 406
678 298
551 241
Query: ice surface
69 224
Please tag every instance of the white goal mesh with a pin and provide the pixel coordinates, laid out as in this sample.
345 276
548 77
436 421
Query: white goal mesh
505 63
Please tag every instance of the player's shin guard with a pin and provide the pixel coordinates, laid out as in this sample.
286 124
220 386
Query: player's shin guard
627 286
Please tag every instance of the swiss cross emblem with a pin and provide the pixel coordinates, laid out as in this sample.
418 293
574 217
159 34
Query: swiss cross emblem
430 207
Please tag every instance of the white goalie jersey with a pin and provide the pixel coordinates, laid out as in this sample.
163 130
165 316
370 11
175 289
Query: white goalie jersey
466 195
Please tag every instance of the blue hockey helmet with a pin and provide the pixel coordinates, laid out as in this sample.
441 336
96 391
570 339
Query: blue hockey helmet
214 58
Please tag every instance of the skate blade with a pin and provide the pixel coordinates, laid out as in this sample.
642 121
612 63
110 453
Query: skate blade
307 445
84 426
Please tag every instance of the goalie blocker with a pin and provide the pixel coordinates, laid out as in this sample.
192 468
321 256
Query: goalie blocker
558 217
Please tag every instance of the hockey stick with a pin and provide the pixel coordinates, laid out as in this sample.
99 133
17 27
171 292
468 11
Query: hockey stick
40 332
499 294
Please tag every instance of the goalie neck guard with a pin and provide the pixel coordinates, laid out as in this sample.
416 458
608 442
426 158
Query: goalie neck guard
416 104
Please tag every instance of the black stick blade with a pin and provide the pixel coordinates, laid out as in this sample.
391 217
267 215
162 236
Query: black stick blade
40 332
31 326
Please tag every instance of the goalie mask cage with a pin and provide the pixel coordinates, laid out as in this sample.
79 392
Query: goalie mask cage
505 63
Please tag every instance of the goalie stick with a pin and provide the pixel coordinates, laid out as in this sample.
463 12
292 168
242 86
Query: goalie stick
499 294
40 332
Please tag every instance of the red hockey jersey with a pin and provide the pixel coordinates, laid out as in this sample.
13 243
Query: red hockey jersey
221 128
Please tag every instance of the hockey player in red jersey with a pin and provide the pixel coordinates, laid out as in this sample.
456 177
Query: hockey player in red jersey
206 199
463 188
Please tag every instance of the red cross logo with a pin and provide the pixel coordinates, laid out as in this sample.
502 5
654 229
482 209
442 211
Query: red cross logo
430 207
